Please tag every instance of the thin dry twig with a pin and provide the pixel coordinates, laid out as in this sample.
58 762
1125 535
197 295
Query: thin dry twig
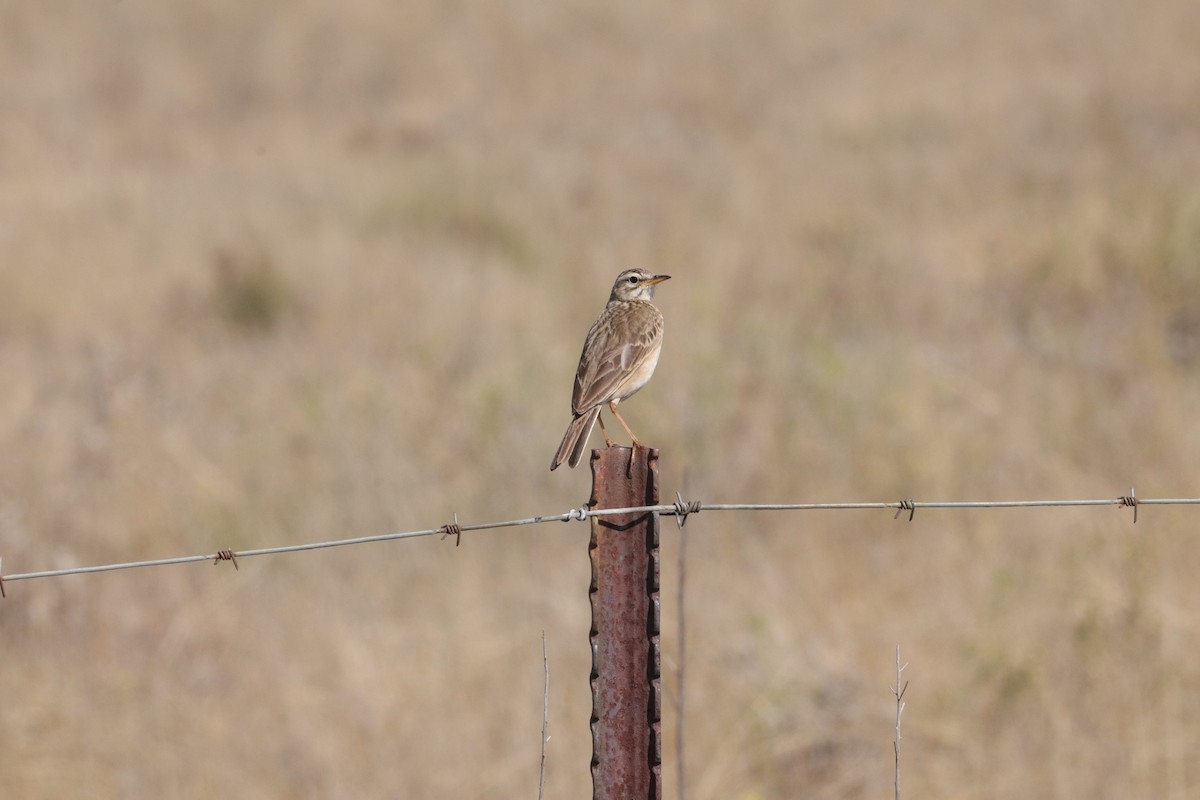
545 717
680 774
898 691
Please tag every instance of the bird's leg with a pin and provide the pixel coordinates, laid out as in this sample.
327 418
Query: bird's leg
607 441
612 406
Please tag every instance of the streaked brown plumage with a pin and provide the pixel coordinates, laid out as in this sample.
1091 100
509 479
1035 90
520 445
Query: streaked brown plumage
619 356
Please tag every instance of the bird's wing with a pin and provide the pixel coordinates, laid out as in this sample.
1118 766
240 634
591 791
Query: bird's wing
610 354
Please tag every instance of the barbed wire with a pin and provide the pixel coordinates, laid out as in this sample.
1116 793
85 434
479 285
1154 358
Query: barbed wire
680 509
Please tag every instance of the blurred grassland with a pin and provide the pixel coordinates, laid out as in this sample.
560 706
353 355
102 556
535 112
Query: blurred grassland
278 272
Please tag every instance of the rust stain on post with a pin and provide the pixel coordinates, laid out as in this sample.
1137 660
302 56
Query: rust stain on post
626 663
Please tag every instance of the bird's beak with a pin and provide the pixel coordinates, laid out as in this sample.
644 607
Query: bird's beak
657 279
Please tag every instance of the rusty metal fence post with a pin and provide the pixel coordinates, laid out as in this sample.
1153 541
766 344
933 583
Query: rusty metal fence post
626 661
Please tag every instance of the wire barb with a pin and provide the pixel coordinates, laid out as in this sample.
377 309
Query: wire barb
452 529
225 555
683 508
1129 501
581 514
906 505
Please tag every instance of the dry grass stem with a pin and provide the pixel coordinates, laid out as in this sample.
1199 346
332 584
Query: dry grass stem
898 691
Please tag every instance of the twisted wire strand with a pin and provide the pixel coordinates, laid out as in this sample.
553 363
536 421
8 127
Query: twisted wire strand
681 509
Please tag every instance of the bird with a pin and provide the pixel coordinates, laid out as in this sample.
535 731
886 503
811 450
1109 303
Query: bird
619 355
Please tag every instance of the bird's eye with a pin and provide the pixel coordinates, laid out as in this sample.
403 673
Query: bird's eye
633 279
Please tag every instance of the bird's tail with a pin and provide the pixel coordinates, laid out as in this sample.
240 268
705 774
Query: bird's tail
575 439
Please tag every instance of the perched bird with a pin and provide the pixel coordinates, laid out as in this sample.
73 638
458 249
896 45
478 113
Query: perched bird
619 356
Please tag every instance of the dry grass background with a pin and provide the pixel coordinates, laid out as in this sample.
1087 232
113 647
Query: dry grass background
276 272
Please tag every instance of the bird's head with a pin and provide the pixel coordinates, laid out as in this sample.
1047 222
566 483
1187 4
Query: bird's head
635 284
